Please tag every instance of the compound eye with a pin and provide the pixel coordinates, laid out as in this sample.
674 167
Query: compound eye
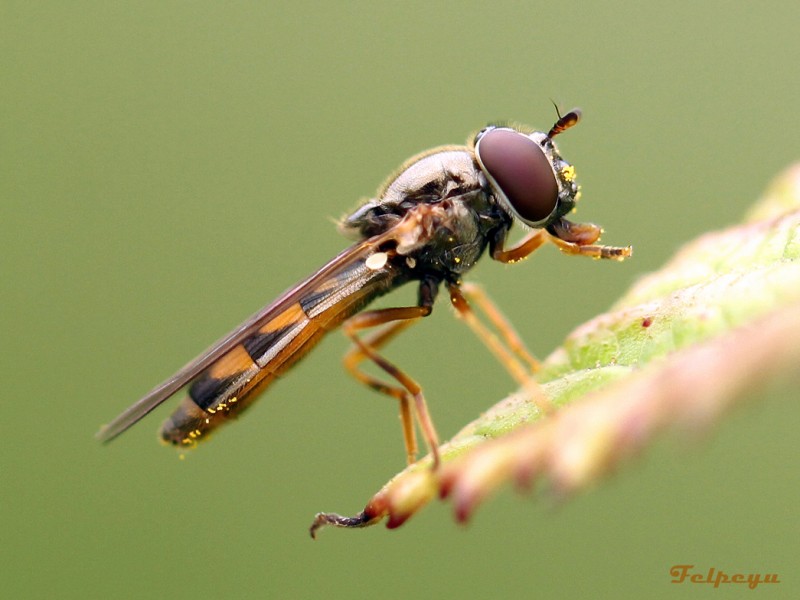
521 170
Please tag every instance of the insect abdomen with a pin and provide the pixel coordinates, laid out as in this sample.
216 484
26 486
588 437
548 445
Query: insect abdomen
231 384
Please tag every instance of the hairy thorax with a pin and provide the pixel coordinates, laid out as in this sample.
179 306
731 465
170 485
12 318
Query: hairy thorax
453 211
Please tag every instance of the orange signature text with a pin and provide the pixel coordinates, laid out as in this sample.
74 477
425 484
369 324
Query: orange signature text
718 577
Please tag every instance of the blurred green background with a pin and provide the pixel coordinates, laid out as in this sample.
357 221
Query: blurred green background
169 167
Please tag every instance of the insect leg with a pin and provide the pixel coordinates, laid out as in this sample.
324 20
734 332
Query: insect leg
356 355
570 238
394 320
592 250
526 246
511 352
580 238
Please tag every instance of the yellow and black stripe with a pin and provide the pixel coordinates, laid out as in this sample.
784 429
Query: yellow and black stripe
231 383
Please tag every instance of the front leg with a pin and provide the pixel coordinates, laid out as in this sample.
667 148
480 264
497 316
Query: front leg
570 238
525 247
580 238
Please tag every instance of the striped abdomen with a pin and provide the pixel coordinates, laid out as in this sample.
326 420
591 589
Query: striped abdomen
231 384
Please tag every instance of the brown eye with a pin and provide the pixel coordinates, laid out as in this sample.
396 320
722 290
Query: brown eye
521 170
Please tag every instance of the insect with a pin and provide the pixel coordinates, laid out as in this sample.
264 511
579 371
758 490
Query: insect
429 224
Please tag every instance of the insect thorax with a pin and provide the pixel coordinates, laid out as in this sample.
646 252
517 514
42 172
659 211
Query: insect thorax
447 194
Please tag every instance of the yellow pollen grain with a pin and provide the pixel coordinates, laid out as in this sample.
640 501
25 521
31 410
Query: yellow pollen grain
568 173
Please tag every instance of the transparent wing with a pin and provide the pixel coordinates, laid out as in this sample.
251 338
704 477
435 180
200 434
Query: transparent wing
165 390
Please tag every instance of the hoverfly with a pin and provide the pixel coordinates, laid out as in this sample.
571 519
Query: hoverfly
429 224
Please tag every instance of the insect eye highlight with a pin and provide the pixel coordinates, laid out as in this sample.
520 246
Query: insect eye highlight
521 171
481 133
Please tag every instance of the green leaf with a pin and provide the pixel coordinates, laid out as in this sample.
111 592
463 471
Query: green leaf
681 346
